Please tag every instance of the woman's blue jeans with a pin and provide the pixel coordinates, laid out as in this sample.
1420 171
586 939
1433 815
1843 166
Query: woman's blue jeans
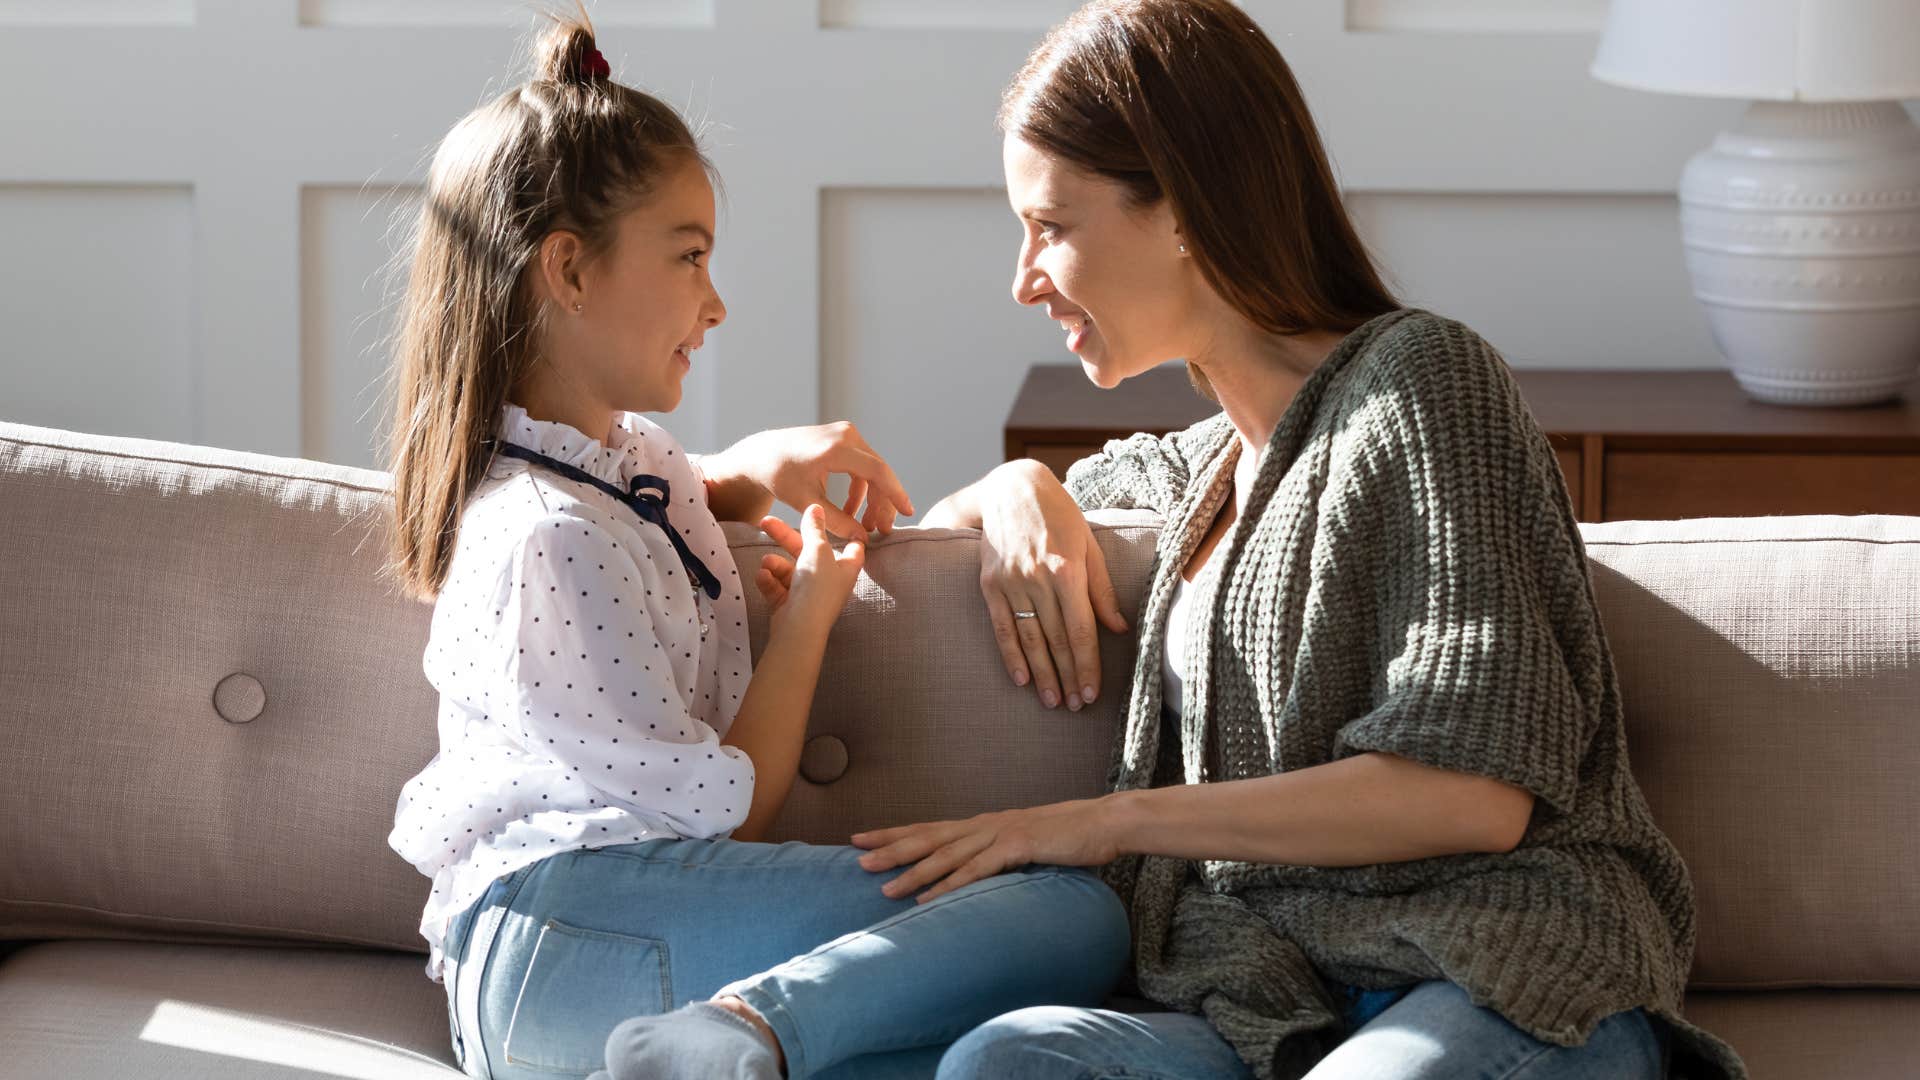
853 983
1433 1032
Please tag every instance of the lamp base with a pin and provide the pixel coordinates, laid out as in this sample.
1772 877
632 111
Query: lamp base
1801 225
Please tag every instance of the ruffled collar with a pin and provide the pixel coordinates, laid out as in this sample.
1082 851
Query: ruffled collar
602 458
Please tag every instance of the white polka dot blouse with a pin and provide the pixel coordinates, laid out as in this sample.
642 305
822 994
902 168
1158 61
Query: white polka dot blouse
585 682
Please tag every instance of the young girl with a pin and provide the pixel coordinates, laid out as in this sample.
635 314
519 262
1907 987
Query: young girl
608 753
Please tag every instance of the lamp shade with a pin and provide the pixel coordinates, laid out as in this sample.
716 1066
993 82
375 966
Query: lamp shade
1777 50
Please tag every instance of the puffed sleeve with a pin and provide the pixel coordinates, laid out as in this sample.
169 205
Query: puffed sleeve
587 669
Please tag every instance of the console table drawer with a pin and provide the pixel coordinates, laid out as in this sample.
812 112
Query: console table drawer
1664 485
1057 456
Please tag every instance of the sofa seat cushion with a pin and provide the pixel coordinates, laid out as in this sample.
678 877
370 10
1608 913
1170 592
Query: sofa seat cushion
115 1009
1815 1034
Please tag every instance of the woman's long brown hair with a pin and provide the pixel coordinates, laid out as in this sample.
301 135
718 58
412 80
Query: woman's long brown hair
569 149
1188 101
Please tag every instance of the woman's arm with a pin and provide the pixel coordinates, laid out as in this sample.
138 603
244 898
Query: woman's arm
962 509
1038 555
1369 808
1366 809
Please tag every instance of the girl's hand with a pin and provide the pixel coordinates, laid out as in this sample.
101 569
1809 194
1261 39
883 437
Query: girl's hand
812 581
950 854
1038 554
794 463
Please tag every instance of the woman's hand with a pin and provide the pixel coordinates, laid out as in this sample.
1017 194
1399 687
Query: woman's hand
949 854
812 581
793 464
1038 554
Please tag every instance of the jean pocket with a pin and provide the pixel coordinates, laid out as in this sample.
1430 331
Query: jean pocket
579 984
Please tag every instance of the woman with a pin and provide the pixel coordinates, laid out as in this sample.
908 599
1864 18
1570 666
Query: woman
1372 813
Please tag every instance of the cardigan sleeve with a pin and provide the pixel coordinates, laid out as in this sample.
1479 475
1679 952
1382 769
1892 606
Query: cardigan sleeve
1486 654
1144 472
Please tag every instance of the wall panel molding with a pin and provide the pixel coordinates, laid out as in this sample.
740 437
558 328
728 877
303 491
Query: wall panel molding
515 14
1477 16
96 13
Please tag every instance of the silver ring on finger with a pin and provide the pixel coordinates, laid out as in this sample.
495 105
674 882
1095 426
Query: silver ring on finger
1026 614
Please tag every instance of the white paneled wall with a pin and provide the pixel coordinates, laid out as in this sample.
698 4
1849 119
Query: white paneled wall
925 354
1573 280
96 12
352 254
199 225
100 279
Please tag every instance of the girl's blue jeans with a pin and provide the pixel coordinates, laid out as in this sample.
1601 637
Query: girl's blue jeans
854 984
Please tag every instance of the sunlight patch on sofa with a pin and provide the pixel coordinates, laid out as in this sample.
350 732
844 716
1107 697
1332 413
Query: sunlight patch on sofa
276 1042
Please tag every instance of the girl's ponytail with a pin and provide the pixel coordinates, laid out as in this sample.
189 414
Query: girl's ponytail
566 54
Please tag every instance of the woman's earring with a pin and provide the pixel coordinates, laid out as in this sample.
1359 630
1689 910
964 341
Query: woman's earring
1183 249
576 307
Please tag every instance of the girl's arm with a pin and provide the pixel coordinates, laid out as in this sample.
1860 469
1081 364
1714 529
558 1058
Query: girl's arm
793 465
807 593
586 683
731 496
584 669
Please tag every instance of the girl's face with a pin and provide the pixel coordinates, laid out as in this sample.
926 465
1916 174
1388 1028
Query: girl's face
648 303
1112 274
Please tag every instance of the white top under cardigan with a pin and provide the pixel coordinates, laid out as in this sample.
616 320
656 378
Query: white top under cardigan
585 682
1172 662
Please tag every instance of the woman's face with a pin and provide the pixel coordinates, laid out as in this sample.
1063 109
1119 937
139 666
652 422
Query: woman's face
649 302
1112 274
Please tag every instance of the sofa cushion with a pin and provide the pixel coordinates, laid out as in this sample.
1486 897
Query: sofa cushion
139 798
1771 674
159 1011
1816 1034
82 1010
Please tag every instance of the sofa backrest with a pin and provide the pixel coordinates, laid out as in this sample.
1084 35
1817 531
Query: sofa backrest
212 699
1770 671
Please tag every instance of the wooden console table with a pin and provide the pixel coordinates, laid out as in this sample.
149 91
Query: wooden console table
1633 444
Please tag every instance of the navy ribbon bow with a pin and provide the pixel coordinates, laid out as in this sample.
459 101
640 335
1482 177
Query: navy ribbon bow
639 498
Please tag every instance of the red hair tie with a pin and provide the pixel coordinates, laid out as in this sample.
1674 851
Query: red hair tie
593 65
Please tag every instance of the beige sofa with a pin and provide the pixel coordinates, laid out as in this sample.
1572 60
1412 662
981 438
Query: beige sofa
210 703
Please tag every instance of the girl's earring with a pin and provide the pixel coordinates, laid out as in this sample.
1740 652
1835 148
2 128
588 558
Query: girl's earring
1183 249
576 307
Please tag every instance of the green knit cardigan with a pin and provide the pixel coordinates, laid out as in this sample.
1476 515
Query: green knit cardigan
1407 577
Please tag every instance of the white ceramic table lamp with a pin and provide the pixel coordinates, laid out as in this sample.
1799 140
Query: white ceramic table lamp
1801 222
